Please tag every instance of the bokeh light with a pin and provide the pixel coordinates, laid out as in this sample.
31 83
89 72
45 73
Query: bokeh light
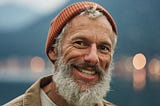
154 69
139 79
123 68
37 64
12 65
139 61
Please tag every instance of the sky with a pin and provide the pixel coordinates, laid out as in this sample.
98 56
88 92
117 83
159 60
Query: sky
23 12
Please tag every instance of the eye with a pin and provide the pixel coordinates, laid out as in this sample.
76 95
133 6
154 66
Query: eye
104 48
80 44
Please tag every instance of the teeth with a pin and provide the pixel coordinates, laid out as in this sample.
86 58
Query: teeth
88 72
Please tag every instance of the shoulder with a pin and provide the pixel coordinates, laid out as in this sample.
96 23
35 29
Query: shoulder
15 102
107 103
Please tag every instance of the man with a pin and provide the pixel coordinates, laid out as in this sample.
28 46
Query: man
80 44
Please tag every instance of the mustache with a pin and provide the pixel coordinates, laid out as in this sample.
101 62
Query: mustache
97 68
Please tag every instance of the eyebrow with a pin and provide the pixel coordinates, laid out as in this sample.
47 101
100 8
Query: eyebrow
106 43
75 35
79 36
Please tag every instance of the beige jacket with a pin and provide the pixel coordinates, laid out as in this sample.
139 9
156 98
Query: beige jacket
32 96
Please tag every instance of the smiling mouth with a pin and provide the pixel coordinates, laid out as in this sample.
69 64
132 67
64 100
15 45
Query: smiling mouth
87 71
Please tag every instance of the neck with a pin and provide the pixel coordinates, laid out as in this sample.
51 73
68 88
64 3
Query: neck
52 93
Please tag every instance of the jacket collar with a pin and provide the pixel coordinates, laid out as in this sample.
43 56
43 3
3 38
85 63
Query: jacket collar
32 95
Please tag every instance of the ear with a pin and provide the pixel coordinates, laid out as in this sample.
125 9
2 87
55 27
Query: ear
52 54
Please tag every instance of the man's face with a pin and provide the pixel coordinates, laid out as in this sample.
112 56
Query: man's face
87 43
82 73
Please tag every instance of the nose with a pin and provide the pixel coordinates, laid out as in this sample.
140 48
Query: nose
92 57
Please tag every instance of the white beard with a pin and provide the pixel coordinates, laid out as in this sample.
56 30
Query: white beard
69 89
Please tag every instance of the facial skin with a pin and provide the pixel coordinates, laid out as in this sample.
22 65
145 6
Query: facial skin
82 70
87 41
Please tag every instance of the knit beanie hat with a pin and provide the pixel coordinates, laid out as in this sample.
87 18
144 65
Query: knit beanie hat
67 14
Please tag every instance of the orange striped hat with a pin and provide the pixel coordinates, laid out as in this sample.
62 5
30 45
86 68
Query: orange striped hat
67 14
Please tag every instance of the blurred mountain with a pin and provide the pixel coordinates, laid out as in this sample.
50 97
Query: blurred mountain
138 25
28 40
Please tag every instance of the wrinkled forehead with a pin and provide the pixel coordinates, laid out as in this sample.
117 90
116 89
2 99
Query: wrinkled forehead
84 20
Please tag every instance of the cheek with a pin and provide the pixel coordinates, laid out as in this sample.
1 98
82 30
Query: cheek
105 61
70 55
